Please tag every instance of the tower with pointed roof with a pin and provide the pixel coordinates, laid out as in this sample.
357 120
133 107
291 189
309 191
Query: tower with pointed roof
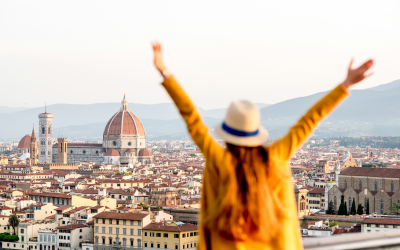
45 137
33 148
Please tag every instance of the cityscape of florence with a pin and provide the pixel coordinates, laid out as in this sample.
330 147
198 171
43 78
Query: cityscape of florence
275 125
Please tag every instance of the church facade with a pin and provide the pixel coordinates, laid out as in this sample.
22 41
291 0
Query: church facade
378 187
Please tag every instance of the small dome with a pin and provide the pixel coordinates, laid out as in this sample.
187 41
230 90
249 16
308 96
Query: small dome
112 152
130 151
145 152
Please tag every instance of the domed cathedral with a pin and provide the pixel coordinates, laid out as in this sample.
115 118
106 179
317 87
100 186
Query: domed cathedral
124 136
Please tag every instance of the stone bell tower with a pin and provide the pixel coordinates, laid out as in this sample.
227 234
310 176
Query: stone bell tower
62 150
45 137
33 148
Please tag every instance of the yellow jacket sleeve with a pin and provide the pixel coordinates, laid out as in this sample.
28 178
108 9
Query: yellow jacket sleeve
286 146
197 129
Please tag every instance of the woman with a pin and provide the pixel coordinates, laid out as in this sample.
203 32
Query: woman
247 197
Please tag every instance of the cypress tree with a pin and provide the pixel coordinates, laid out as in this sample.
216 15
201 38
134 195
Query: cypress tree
367 208
353 207
360 209
345 208
330 208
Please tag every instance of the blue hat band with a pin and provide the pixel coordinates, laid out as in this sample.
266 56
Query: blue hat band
236 132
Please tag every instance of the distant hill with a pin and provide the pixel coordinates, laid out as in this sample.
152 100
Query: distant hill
4 109
373 111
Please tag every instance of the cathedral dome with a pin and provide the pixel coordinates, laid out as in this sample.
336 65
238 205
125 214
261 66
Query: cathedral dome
112 152
124 122
130 151
145 152
25 142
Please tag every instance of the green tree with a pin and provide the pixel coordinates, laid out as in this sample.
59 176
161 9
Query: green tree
395 208
13 220
367 208
341 206
360 209
345 208
330 208
353 207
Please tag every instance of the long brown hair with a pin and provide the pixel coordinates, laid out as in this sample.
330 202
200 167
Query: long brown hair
249 208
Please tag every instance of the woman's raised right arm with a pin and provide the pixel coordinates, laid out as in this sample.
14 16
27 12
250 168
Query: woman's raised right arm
196 127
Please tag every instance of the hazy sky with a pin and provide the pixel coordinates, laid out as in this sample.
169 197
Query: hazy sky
265 51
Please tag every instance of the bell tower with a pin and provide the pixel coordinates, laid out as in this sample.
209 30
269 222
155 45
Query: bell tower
62 150
45 137
33 148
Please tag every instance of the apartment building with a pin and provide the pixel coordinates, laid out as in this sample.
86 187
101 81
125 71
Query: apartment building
71 236
170 235
113 229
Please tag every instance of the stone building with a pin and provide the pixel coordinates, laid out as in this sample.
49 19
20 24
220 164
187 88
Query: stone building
165 198
379 186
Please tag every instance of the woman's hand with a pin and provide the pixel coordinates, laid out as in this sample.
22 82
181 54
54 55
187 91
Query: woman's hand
357 75
158 62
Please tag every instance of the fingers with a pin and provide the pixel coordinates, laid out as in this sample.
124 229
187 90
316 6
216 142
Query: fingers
368 75
156 46
351 63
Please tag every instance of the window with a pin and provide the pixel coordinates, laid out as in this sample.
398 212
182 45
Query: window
104 241
377 225
124 222
376 186
110 221
392 186
158 245
145 233
165 245
191 234
117 230
139 232
97 220
131 242
176 246
124 231
139 223
175 235
165 235
104 221
97 229
334 202
124 242
110 241
158 234
145 244
360 184
97 240
131 222
117 222
345 183
365 205
381 206
22 238
22 230
139 243
103 230
151 234
131 231
110 230
368 225
183 235
45 238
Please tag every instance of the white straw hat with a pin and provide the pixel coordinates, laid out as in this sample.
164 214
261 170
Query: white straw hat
242 125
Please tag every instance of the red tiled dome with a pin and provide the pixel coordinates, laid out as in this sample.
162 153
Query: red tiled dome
130 151
145 152
124 123
25 142
112 152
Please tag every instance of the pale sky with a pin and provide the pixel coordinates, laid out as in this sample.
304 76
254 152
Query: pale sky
266 51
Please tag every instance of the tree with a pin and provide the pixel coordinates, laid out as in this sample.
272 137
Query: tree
342 206
345 208
367 208
353 207
330 208
395 208
13 220
360 209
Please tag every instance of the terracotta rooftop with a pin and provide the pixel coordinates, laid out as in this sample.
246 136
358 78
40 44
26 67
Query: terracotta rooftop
372 172
122 216
165 227
382 221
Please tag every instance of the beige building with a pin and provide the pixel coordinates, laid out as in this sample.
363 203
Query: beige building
113 229
170 235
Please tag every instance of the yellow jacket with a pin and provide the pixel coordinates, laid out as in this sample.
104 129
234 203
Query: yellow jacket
278 155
